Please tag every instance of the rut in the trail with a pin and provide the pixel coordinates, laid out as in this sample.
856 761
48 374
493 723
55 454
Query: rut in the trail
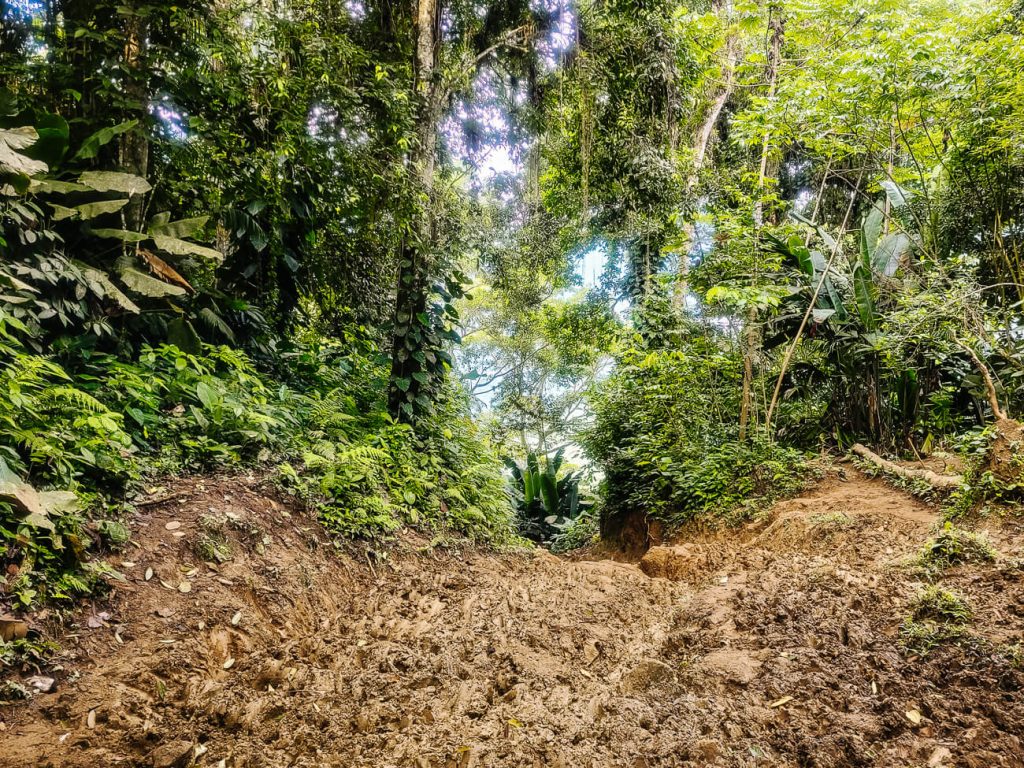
778 647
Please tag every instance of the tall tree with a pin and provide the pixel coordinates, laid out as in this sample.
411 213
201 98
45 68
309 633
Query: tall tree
446 59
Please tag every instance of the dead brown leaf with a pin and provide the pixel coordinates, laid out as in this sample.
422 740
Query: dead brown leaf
164 271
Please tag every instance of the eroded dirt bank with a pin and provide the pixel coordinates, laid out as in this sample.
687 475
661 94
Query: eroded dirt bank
776 646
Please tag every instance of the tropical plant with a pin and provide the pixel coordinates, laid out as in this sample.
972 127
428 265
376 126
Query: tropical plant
545 503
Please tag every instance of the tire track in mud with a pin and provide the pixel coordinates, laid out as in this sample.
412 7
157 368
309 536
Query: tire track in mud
473 659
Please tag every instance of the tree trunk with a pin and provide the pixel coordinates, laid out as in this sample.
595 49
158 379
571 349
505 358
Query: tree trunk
776 28
749 349
415 266
932 478
134 145
702 141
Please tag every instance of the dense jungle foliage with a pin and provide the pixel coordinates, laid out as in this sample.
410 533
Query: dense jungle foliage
494 269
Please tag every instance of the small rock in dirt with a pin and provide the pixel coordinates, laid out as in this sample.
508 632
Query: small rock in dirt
12 628
645 675
173 525
174 754
709 749
42 684
734 666
671 563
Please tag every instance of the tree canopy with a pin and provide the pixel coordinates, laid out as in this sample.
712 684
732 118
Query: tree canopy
678 242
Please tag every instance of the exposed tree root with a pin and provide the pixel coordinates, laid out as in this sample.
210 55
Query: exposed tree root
932 478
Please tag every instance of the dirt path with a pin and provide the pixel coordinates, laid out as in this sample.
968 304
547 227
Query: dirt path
776 647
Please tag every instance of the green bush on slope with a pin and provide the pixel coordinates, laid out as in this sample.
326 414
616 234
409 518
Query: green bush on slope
100 431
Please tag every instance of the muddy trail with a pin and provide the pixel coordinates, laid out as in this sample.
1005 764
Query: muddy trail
772 645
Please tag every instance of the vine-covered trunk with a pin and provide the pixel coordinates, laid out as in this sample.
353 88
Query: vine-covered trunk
408 360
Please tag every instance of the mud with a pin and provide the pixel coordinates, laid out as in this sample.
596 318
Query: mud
773 645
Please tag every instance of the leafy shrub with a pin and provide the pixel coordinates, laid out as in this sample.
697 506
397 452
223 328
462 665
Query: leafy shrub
954 546
368 474
578 533
55 432
665 435
937 616
100 426
42 544
195 411
937 604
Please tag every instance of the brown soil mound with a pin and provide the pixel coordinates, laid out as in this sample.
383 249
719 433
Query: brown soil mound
1005 460
776 646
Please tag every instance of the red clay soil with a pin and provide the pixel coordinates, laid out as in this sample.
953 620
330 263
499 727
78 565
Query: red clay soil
774 645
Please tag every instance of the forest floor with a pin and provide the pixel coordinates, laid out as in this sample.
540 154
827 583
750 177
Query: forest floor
772 645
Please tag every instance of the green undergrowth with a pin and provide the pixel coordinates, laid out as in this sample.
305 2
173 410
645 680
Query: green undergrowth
937 616
954 546
580 532
666 437
80 436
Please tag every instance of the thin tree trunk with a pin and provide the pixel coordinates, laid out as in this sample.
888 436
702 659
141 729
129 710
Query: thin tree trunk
702 141
777 29
748 372
987 381
814 298
134 145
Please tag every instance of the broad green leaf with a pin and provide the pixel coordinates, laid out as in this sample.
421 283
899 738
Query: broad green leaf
872 229
14 162
52 185
101 284
549 492
91 146
207 395
123 235
109 181
178 247
53 139
100 207
863 290
34 506
898 196
60 213
19 138
801 254
141 283
889 253
182 228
